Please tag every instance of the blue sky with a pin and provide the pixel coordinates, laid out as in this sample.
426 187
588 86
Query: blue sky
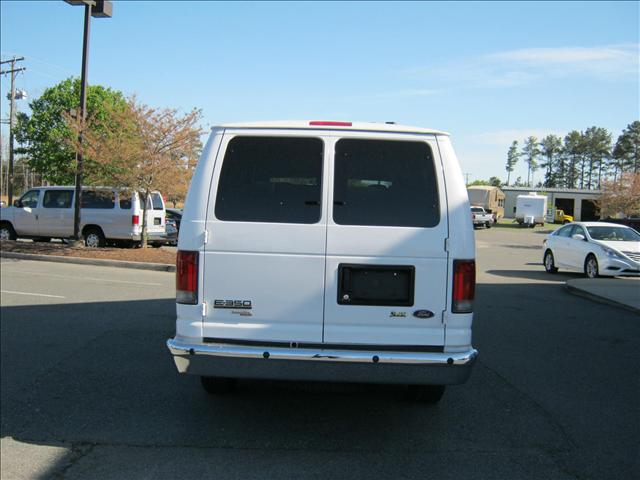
487 72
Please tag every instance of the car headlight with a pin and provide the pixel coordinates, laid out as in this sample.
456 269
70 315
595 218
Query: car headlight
610 252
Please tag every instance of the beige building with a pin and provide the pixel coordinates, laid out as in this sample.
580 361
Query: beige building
573 201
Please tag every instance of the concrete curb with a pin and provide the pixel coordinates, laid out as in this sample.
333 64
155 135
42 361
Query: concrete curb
599 298
158 267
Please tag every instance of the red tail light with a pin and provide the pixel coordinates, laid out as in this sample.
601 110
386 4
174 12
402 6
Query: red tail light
322 123
187 277
135 219
464 286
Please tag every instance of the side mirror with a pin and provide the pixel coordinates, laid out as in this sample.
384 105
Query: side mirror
578 236
17 203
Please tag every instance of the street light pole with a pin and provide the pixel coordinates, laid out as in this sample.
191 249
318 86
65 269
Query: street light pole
83 117
92 8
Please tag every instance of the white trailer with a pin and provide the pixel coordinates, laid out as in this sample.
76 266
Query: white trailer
531 209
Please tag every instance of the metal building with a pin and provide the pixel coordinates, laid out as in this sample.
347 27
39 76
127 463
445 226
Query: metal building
576 202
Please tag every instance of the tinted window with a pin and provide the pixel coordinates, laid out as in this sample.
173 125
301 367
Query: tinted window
271 179
125 200
157 201
57 199
565 231
98 199
30 199
388 183
477 210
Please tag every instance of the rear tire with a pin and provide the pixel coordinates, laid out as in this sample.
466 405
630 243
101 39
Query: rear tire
427 394
94 238
488 224
7 232
549 262
218 385
591 266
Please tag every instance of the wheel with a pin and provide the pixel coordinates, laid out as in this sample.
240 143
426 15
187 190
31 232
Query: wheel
217 385
488 224
156 245
425 393
94 238
7 232
564 222
42 239
549 263
591 266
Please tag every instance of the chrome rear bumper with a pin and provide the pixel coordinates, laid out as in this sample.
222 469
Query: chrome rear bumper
237 361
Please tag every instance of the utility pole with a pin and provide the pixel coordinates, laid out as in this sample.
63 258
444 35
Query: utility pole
13 72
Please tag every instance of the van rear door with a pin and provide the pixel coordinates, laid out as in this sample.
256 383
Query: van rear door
386 271
155 213
264 256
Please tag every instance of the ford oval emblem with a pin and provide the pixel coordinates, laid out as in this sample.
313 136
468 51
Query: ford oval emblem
423 314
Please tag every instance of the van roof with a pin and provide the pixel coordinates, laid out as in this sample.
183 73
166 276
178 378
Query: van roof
332 125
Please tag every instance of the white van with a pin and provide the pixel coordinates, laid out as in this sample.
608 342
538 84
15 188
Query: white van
331 251
108 215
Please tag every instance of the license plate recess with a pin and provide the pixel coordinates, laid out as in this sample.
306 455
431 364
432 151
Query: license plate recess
383 285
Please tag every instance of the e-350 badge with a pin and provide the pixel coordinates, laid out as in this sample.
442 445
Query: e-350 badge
234 304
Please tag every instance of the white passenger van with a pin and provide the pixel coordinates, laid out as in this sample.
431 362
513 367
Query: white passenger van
107 215
331 251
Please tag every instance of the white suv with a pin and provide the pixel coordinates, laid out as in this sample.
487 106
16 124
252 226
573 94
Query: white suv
330 251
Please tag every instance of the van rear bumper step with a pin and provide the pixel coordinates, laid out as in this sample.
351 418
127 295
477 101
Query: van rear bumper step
277 363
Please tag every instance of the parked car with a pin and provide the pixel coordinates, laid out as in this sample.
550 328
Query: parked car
321 251
175 215
595 248
171 231
481 217
108 215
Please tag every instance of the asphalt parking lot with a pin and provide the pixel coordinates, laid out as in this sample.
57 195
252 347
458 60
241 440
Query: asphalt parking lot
89 391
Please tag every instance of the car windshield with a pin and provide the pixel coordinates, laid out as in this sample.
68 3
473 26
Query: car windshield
614 234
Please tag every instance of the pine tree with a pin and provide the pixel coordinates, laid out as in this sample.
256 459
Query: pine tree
530 152
551 149
573 147
512 158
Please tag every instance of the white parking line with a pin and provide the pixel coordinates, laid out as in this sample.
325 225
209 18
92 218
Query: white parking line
81 278
32 294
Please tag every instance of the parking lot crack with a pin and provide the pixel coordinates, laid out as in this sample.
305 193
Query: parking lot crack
546 412
77 453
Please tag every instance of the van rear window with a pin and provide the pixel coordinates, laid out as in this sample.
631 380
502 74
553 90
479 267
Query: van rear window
271 179
385 183
157 201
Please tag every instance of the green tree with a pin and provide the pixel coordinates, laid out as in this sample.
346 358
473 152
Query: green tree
530 152
512 158
495 182
44 136
626 153
597 147
551 150
574 151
